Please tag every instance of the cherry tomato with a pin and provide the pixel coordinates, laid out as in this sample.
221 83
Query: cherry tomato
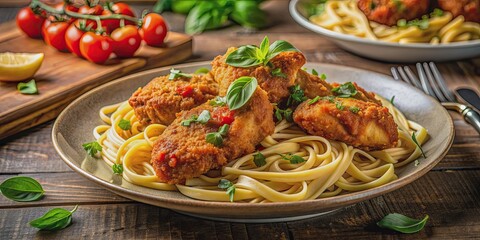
30 23
94 10
185 91
68 7
74 33
154 30
222 115
54 35
96 48
117 8
126 41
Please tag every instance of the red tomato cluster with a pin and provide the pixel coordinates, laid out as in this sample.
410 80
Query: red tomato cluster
84 38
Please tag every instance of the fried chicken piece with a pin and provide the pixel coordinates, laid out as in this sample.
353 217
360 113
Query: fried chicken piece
388 12
277 87
470 9
161 98
364 125
182 152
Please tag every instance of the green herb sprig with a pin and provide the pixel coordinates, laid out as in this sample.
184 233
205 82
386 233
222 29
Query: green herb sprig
28 88
240 91
401 223
21 189
297 96
216 138
249 55
55 219
414 138
277 72
294 159
226 184
203 118
92 148
124 124
117 168
345 90
218 102
174 73
314 100
280 114
259 159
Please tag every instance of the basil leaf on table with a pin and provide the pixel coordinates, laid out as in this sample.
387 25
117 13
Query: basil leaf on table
55 219
249 14
207 15
21 189
401 223
240 91
183 6
162 6
29 87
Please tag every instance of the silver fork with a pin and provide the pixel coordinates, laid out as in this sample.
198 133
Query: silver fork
432 83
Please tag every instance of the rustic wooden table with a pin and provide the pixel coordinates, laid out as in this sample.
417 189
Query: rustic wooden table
449 194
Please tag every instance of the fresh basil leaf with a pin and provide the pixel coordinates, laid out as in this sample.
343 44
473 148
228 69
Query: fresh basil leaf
124 124
29 87
401 223
259 159
202 71
223 130
204 117
354 109
277 72
240 91
55 219
278 47
207 15
414 138
177 73
117 168
314 100
244 56
183 6
214 138
264 47
218 102
92 148
21 189
314 72
323 76
345 90
226 184
189 121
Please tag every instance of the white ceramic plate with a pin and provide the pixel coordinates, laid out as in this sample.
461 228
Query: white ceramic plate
385 51
75 125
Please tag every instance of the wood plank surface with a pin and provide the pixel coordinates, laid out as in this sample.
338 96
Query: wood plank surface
449 194
64 76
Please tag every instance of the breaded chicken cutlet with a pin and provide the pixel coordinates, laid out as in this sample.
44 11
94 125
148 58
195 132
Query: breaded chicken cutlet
388 12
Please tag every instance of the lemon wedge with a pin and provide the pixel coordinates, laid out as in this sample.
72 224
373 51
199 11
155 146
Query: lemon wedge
19 66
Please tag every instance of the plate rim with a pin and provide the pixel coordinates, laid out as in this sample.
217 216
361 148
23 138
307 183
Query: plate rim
300 19
339 201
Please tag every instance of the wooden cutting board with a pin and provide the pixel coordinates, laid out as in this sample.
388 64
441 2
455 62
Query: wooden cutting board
63 77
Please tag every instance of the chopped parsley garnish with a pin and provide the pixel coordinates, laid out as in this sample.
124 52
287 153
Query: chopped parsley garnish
203 118
312 101
294 159
29 87
329 98
218 102
418 145
259 159
323 76
339 105
117 168
314 72
177 73
420 23
373 5
345 90
354 109
280 114
296 97
436 13
277 72
124 124
216 138
226 184
202 71
92 148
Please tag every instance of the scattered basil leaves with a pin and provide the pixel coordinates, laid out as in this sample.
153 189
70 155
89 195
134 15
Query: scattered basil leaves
401 223
92 148
55 219
21 189
203 118
174 73
216 138
226 184
218 102
296 97
345 90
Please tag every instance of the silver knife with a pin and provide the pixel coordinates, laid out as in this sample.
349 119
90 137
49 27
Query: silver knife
470 96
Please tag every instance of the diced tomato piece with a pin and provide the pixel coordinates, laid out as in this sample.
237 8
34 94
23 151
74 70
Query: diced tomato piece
223 115
185 91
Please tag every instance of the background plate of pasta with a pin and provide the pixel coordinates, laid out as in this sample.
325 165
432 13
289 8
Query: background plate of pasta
290 175
396 30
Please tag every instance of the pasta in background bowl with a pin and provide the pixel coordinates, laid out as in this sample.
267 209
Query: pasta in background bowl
392 44
74 126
